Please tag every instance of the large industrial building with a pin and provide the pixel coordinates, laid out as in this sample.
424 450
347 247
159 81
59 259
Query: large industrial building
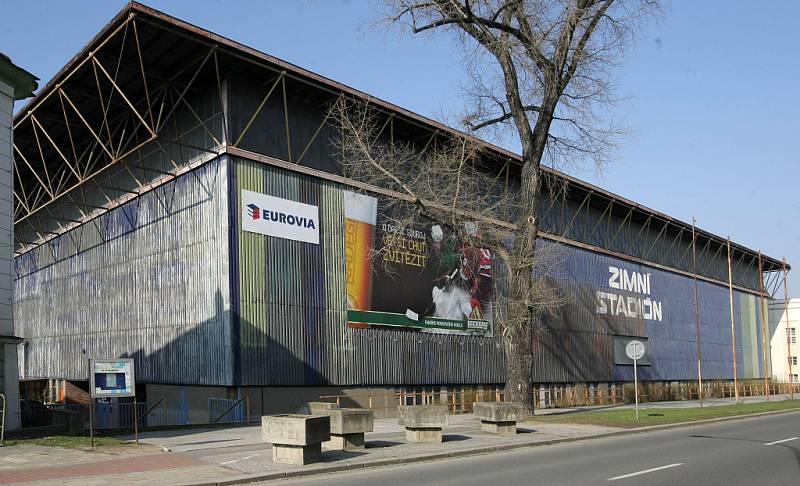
179 202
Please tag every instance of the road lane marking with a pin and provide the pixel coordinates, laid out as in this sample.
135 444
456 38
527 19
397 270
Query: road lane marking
782 441
646 471
239 460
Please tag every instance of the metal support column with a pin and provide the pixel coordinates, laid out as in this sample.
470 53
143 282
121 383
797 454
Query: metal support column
697 319
733 323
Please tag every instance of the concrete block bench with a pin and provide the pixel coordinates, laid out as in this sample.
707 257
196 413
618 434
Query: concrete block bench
498 417
319 408
296 439
423 423
348 425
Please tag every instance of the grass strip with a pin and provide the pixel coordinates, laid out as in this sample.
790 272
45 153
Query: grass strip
69 442
625 417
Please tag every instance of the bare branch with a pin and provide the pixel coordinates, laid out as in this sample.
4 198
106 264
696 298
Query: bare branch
542 69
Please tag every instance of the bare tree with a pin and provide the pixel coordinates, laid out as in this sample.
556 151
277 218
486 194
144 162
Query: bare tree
540 68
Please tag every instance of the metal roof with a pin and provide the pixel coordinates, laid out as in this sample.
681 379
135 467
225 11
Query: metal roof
168 43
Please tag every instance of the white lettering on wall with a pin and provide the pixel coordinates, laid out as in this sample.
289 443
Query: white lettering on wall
617 304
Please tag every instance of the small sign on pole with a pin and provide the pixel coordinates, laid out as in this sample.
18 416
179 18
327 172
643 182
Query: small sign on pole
112 378
635 351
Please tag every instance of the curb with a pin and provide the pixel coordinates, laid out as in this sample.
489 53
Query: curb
474 451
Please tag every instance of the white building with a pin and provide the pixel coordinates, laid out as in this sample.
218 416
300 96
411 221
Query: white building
783 332
15 84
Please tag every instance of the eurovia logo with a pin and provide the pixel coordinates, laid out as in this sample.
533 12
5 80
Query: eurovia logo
282 218
254 211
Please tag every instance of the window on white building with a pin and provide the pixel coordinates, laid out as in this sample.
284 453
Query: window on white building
793 378
793 360
791 335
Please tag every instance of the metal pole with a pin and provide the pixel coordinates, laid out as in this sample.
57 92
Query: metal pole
135 420
91 420
636 387
3 423
788 338
697 319
763 327
91 404
733 323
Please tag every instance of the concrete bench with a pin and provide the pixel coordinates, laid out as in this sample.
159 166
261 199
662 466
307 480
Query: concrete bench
348 425
320 408
296 439
423 423
498 417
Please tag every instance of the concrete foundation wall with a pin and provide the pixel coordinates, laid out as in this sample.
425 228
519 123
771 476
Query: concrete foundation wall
196 397
272 400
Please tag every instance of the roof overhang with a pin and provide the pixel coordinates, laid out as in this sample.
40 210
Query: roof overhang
23 82
164 51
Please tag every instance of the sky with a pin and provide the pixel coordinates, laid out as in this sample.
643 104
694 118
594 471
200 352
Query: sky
709 92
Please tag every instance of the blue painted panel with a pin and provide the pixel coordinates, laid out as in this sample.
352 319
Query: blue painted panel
593 285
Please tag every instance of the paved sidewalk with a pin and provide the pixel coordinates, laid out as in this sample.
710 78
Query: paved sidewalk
32 464
138 464
235 454
203 456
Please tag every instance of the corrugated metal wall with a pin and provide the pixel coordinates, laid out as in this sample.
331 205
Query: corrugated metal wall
150 281
613 230
292 307
562 216
155 280
577 346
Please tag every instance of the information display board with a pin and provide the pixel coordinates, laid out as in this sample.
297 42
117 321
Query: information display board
111 378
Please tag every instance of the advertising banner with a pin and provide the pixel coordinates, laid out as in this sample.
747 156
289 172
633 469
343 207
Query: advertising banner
417 277
282 218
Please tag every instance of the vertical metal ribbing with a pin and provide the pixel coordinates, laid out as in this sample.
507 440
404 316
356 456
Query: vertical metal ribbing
304 289
156 289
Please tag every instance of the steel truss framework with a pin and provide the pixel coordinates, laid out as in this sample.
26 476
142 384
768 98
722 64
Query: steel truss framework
130 113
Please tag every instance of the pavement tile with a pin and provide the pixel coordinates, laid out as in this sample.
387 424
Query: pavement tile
108 467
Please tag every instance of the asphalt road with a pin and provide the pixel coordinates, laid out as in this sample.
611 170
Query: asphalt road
758 451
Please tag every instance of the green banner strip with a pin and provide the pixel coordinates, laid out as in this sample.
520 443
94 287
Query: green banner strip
391 319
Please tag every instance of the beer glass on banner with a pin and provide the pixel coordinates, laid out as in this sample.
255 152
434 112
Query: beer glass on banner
360 215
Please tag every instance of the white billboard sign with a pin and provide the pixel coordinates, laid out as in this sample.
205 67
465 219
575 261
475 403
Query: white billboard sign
112 378
282 218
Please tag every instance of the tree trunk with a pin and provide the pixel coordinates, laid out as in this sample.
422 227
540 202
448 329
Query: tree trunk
518 369
518 341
